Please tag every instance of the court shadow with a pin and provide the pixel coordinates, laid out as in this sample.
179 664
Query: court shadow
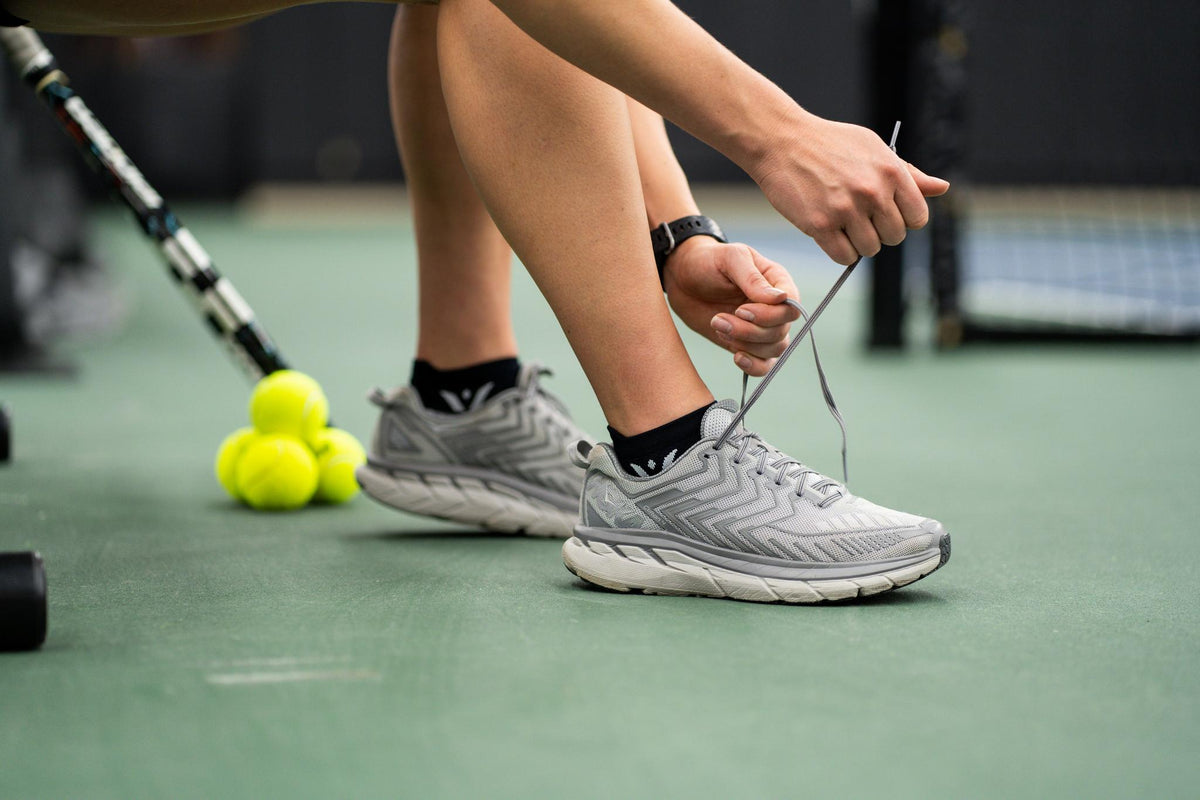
903 596
464 535
227 505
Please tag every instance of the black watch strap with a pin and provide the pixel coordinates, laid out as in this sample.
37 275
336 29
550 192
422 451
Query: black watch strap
667 236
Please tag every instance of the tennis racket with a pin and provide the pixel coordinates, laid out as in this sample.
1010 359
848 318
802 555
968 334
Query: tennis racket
228 315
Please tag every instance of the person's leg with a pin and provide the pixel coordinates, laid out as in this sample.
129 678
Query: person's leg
551 152
727 516
500 459
464 263
472 438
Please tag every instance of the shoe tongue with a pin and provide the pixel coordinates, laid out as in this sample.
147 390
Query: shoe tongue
717 419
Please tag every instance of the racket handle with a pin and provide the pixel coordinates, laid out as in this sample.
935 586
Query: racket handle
25 50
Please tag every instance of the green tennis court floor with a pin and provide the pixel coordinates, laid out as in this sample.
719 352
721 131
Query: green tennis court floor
197 649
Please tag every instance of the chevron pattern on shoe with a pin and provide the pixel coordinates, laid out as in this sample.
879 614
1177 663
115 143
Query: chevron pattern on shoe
503 465
748 497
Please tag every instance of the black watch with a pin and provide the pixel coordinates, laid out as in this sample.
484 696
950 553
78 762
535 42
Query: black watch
667 236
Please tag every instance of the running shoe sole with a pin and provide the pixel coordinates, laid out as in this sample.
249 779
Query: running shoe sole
492 500
667 564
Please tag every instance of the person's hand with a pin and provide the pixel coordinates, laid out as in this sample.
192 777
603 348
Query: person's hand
733 296
844 187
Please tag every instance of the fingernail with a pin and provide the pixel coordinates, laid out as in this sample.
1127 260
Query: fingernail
743 361
721 324
776 291
745 314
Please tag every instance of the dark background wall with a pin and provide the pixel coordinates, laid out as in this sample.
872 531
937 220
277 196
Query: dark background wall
1104 92
1079 91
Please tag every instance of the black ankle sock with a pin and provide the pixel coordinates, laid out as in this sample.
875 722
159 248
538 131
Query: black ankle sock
653 451
454 391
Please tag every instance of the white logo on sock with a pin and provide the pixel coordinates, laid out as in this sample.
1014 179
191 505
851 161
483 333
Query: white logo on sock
452 400
667 462
467 403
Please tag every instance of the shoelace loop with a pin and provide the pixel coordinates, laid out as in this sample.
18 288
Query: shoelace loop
806 329
809 320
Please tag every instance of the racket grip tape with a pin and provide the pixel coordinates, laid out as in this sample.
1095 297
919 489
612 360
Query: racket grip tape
26 51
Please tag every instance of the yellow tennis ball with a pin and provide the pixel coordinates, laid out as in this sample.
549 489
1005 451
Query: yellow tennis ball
276 473
290 403
338 455
228 455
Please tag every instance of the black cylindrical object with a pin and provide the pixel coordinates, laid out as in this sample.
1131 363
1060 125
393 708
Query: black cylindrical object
5 434
22 601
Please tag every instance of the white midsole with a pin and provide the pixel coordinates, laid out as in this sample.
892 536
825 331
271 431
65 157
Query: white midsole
658 570
494 506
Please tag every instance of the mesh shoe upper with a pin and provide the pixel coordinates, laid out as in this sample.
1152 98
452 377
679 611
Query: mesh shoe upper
748 497
523 432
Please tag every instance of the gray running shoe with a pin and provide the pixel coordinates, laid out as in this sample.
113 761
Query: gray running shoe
503 465
737 518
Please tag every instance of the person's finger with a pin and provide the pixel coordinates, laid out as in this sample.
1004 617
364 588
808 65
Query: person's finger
776 274
910 202
928 185
742 331
743 271
837 246
767 316
889 225
765 350
751 365
863 236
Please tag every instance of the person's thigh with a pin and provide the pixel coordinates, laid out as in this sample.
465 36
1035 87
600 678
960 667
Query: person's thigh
144 17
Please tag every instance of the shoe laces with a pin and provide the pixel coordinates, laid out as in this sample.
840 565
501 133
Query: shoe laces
785 465
769 460
809 320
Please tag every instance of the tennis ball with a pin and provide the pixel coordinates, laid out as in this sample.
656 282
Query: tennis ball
228 455
290 403
338 455
276 473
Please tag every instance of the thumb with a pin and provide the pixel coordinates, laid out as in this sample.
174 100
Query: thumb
742 269
928 184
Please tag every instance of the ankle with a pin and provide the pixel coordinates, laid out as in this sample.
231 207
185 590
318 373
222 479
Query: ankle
637 412
455 350
652 451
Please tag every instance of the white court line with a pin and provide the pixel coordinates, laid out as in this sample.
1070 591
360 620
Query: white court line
293 676
279 661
